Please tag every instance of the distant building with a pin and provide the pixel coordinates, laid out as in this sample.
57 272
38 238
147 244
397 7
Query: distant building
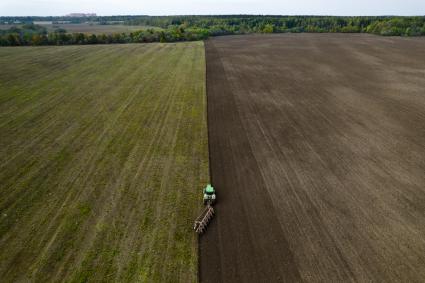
81 15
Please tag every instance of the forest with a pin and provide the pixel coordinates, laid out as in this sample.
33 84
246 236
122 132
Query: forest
23 31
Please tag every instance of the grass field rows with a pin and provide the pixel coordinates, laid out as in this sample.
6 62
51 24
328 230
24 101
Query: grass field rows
103 151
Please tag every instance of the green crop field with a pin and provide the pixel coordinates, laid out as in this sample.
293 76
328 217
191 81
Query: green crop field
97 29
90 28
103 154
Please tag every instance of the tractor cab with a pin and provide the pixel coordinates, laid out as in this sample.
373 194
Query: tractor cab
209 194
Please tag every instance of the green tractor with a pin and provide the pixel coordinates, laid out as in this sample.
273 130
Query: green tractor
207 214
209 195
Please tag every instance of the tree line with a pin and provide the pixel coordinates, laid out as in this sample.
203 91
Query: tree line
188 28
217 25
30 34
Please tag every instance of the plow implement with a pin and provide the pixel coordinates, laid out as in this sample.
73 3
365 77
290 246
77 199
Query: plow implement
202 221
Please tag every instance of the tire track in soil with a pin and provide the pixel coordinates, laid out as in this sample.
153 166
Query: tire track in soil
232 250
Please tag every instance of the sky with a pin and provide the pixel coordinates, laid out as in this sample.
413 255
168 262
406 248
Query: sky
212 7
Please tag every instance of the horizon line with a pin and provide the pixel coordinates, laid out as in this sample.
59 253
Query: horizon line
217 15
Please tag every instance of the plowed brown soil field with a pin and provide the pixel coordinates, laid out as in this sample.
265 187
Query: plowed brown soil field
317 147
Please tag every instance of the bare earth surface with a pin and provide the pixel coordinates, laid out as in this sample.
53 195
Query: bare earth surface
317 147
